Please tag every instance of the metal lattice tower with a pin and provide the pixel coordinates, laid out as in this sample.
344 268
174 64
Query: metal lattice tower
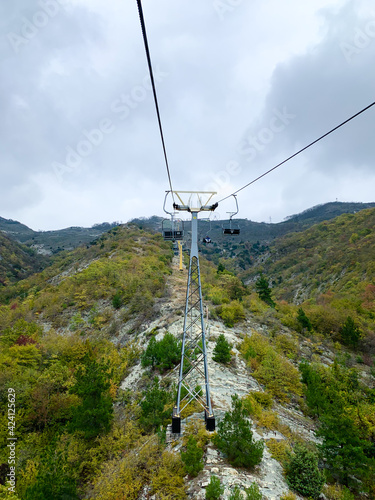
193 383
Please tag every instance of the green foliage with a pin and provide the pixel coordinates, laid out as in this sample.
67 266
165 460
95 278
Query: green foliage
231 313
117 300
264 291
55 478
221 353
303 474
270 368
280 450
214 489
192 458
347 420
235 438
236 494
303 320
156 407
350 333
94 415
253 493
163 354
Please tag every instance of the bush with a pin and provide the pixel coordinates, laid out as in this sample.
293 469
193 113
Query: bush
231 313
253 493
214 489
222 349
192 458
163 354
235 438
236 494
303 474
279 450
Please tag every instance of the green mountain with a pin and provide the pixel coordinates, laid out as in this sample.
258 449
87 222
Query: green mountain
17 261
89 352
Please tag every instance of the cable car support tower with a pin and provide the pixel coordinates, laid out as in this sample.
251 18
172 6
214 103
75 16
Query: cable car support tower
193 373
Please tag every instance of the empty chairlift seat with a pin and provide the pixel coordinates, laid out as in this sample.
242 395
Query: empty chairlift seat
172 231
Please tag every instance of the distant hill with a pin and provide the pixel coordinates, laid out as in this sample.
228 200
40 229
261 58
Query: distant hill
335 255
263 232
17 261
49 242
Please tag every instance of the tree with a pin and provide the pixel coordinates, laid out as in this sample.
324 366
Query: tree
264 291
350 333
235 438
163 354
155 407
192 458
303 474
221 353
303 320
344 449
95 413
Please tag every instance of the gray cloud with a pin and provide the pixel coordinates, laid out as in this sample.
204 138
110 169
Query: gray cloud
79 136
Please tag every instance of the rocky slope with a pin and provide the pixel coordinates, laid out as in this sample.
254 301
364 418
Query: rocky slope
225 381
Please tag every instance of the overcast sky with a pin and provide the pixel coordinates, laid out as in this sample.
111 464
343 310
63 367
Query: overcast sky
241 85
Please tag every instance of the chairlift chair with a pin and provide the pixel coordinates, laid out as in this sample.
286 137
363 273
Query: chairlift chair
172 229
230 228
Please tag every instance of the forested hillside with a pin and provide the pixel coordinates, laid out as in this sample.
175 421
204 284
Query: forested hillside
89 353
17 261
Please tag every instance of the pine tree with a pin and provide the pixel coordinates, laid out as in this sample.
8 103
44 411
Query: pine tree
303 474
303 320
192 458
264 291
94 414
221 353
350 333
235 438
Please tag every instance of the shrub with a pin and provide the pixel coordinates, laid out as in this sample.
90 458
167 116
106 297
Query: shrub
214 489
192 458
236 494
279 450
303 474
337 492
231 313
222 349
235 438
288 496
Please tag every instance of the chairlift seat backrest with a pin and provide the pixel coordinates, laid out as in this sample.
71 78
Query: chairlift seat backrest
228 230
170 235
